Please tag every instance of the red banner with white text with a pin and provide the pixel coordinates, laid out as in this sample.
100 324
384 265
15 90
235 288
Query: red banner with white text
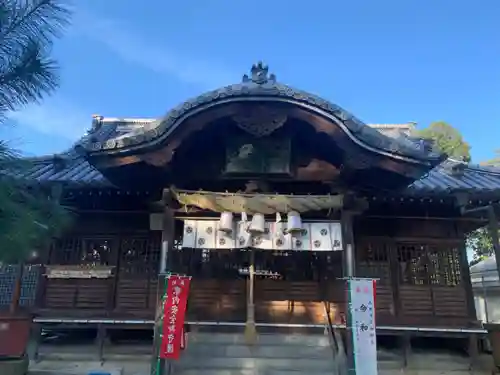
174 314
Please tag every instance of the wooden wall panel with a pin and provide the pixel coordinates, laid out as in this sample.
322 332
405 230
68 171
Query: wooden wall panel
217 300
384 303
132 294
302 302
92 294
77 294
418 271
449 301
60 294
416 300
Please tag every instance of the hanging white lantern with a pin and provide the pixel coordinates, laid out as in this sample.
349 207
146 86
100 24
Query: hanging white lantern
244 217
258 224
279 228
226 222
243 238
294 222
278 217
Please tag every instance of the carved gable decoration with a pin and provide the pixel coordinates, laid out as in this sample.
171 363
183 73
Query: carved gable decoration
255 156
260 121
259 74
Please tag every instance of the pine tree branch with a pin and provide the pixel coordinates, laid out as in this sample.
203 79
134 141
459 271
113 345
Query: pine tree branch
28 217
29 76
27 28
22 21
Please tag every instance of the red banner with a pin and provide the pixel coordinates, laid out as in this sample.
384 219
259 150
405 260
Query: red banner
174 314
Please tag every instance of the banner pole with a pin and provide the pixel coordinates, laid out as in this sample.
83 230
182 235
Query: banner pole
158 364
351 358
168 235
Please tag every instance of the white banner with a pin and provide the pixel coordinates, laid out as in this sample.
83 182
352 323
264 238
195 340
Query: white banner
361 294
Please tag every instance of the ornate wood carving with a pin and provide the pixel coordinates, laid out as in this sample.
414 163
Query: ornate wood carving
258 156
260 121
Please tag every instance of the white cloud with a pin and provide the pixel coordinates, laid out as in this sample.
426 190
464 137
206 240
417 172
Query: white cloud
54 118
142 50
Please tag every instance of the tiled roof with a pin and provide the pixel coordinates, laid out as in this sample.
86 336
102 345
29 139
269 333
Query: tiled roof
442 179
450 176
486 265
454 176
75 171
485 274
260 86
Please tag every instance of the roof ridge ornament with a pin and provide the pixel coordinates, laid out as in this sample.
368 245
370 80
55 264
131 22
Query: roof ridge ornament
259 74
97 121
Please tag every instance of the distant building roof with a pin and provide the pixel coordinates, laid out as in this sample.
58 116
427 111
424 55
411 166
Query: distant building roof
395 130
485 273
450 176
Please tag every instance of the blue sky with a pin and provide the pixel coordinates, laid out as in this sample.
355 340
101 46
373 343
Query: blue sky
385 61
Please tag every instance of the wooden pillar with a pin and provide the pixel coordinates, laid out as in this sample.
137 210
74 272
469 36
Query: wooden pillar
159 366
473 350
36 331
36 334
114 261
56 194
100 340
466 280
406 344
41 278
250 330
16 292
349 259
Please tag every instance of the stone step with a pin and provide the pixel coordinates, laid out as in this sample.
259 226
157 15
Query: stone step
196 350
262 339
234 363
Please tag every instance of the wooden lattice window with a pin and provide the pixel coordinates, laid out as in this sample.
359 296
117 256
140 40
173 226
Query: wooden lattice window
372 260
412 264
97 251
134 255
66 251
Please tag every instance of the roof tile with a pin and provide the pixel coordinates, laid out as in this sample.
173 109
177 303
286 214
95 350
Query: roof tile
449 176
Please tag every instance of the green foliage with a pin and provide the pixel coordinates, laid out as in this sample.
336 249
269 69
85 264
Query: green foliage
480 242
495 162
28 217
447 139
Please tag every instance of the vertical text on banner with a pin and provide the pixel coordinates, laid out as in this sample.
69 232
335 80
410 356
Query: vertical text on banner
174 316
362 325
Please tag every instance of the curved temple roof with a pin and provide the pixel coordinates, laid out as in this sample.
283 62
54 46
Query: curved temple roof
450 176
115 135
261 86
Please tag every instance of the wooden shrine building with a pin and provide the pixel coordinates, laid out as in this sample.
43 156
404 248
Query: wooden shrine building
324 196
